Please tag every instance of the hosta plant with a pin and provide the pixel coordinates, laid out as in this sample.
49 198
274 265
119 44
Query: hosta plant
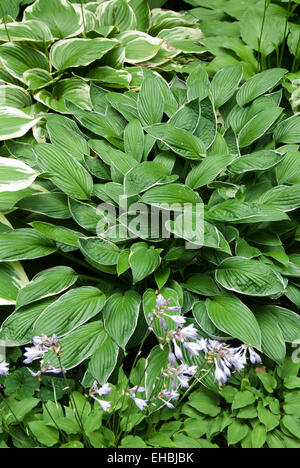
214 164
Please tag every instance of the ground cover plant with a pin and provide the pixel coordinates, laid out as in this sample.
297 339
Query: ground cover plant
149 225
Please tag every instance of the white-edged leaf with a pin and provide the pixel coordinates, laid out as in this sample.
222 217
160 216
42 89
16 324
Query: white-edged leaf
231 316
249 277
14 123
15 175
70 311
45 284
120 316
24 244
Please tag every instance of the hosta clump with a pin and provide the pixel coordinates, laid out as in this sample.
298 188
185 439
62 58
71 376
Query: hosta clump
259 34
213 163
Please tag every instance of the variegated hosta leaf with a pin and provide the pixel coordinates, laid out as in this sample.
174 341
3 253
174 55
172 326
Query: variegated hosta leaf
78 52
15 175
12 279
14 123
45 284
71 310
60 16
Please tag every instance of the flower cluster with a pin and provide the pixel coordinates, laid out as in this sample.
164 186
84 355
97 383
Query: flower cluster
104 390
131 392
4 369
41 345
160 312
225 358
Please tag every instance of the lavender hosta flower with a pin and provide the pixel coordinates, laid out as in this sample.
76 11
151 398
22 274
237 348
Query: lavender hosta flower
104 390
222 372
189 333
34 353
105 405
193 348
179 375
51 343
162 306
4 369
244 349
140 403
171 395
45 368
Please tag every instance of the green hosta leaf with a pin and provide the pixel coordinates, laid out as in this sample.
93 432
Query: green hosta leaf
242 212
201 284
31 30
134 140
150 101
87 216
14 123
70 311
225 83
18 59
65 22
104 359
45 284
120 316
198 84
15 175
258 126
99 250
79 345
288 321
79 52
288 131
114 158
123 104
173 194
65 133
187 116
262 31
110 77
67 172
46 435
109 125
157 360
12 278
143 261
59 234
72 90
249 277
207 128
282 197
288 170
17 328
273 344
207 171
179 141
258 436
231 316
24 244
54 205
259 84
237 431
257 161
145 176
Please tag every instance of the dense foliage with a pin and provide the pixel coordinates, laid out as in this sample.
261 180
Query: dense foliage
149 223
